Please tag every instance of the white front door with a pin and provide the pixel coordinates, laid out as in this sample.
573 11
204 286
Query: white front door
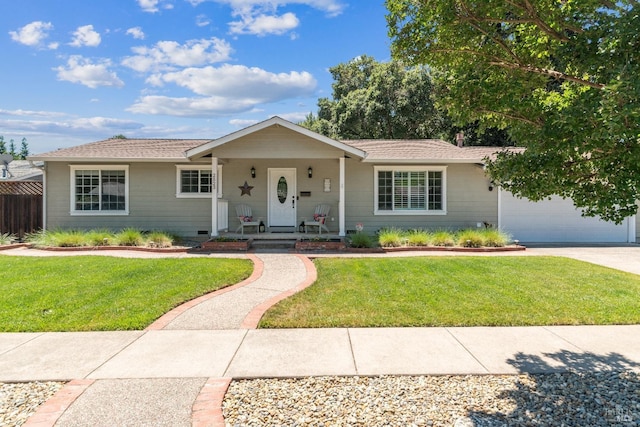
282 197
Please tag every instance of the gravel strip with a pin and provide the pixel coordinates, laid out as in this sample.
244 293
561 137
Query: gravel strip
567 399
18 401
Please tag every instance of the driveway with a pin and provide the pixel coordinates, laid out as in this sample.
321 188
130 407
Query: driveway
625 257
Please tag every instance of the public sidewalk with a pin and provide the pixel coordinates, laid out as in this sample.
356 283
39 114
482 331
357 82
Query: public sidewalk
244 353
176 372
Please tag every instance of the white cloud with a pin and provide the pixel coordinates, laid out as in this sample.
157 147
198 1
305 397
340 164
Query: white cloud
229 89
93 127
33 34
153 6
190 107
83 71
150 6
294 117
167 54
243 82
136 33
30 113
202 21
85 36
242 123
262 25
331 7
260 17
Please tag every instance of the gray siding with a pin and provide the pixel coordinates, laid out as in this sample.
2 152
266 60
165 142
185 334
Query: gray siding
469 200
154 206
152 202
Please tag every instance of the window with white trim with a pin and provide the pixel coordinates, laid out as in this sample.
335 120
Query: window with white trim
198 181
99 190
409 190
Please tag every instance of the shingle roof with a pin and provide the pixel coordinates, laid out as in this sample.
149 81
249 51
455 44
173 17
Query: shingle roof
420 151
407 151
23 169
115 149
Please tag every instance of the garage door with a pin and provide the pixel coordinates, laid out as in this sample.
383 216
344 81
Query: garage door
557 220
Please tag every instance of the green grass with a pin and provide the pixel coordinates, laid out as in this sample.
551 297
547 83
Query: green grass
91 293
460 291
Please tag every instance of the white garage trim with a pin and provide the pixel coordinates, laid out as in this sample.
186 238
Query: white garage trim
557 220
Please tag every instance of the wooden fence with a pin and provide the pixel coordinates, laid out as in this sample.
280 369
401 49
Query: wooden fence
20 207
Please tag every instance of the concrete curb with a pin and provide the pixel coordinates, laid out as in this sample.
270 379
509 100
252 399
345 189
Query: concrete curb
50 411
253 318
166 319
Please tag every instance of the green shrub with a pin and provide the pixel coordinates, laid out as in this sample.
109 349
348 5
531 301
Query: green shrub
443 238
496 238
159 239
470 238
418 238
130 237
391 237
361 240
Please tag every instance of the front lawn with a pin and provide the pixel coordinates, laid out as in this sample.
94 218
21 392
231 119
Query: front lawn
460 291
91 293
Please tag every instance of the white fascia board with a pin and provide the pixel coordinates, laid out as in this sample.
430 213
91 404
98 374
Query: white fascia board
424 161
110 159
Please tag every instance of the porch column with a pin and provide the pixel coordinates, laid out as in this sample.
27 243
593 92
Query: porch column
214 196
341 208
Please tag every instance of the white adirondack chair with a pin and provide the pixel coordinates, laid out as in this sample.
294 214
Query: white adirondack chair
319 218
246 219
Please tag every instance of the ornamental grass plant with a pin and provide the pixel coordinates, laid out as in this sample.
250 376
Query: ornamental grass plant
100 237
418 237
6 238
391 237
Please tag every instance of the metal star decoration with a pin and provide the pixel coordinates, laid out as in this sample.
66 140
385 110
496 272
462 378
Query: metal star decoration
245 189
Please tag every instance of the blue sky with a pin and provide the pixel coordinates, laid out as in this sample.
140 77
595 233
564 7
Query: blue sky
77 71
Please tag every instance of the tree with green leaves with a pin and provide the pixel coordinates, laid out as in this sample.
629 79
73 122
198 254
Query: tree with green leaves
24 149
12 148
386 100
563 76
3 146
378 100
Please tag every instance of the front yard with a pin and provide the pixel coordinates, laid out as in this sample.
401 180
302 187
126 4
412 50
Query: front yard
85 293
460 291
96 293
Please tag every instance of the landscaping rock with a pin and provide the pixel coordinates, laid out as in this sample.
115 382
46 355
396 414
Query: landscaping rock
568 399
18 401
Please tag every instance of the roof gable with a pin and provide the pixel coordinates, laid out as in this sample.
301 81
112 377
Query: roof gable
206 148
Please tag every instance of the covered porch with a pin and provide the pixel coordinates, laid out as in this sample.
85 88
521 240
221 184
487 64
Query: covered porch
275 175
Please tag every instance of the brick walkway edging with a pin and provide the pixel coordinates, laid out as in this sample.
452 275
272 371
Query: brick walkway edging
50 411
167 318
207 408
253 318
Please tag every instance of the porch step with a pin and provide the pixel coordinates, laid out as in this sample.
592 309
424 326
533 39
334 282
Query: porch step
273 244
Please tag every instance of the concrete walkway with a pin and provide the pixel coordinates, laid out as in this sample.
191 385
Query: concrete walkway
176 371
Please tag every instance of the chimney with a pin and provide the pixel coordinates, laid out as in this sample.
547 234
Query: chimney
460 138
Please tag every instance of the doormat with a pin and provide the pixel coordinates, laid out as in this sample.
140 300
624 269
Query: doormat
282 229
